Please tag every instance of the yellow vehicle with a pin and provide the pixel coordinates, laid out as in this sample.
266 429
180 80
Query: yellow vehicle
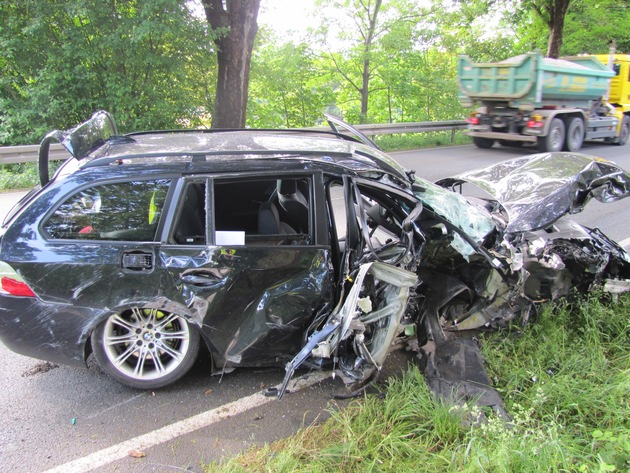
619 93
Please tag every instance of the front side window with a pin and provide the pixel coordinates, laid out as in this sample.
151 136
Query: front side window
126 211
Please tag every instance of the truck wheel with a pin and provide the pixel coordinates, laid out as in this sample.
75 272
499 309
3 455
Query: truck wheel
624 133
575 134
554 141
483 143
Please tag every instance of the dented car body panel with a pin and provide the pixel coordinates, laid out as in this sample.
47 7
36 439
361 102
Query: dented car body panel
537 190
285 248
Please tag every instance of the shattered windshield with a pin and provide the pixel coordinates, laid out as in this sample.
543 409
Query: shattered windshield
455 208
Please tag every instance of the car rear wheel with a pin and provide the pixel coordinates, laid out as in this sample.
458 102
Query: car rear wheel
145 348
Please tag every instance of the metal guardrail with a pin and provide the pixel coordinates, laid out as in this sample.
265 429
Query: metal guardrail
28 153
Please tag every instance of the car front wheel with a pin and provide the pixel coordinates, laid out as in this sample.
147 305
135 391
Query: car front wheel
145 348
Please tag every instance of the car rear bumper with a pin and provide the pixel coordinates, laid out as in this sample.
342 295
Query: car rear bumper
51 332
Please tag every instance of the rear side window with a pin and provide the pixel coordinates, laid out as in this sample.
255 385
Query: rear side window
263 211
127 211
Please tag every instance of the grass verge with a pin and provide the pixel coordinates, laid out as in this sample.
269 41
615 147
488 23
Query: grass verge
566 384
431 139
18 176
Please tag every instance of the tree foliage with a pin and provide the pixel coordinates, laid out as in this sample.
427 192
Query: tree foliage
591 25
553 13
368 37
289 89
146 61
155 63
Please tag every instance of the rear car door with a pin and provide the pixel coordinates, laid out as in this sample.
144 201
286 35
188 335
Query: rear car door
251 260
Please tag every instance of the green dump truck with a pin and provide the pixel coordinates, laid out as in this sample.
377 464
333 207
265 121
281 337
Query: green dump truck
555 103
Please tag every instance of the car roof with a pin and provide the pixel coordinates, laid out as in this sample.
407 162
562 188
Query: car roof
97 143
235 148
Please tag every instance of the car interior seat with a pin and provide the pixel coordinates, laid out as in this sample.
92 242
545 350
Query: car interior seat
269 221
294 203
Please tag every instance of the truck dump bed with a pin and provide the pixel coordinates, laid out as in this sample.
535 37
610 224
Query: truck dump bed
531 81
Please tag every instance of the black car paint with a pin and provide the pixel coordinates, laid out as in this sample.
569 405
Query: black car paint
263 298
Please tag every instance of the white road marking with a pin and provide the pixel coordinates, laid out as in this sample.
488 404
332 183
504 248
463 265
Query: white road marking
183 427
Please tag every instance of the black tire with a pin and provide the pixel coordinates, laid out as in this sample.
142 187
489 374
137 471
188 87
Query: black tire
575 134
483 143
624 133
145 348
554 141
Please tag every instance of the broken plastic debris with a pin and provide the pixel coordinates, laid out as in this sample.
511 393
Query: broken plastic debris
365 304
137 454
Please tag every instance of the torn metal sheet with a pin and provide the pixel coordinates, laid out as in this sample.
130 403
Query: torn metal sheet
473 221
537 190
455 373
369 326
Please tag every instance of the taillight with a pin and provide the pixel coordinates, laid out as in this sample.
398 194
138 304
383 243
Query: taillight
535 121
14 287
473 120
12 284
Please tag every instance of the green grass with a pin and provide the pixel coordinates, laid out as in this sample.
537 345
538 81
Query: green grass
18 176
566 385
432 139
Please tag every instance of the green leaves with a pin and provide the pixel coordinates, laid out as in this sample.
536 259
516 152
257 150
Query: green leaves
152 63
148 62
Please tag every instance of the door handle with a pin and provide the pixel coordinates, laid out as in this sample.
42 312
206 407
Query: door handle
137 260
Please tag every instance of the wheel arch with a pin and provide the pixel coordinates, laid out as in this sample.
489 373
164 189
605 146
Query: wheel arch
171 307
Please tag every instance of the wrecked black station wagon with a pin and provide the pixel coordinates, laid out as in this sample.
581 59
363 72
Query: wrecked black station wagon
284 247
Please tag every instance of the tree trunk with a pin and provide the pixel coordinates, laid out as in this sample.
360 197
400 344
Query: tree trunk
557 10
238 18
367 47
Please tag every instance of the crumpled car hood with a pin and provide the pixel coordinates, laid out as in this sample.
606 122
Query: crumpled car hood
537 190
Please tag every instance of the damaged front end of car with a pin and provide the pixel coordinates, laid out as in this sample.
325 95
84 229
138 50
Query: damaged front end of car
472 264
531 256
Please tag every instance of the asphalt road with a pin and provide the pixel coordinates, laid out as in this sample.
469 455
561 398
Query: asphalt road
79 420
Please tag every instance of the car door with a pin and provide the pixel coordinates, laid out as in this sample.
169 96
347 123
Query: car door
251 260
